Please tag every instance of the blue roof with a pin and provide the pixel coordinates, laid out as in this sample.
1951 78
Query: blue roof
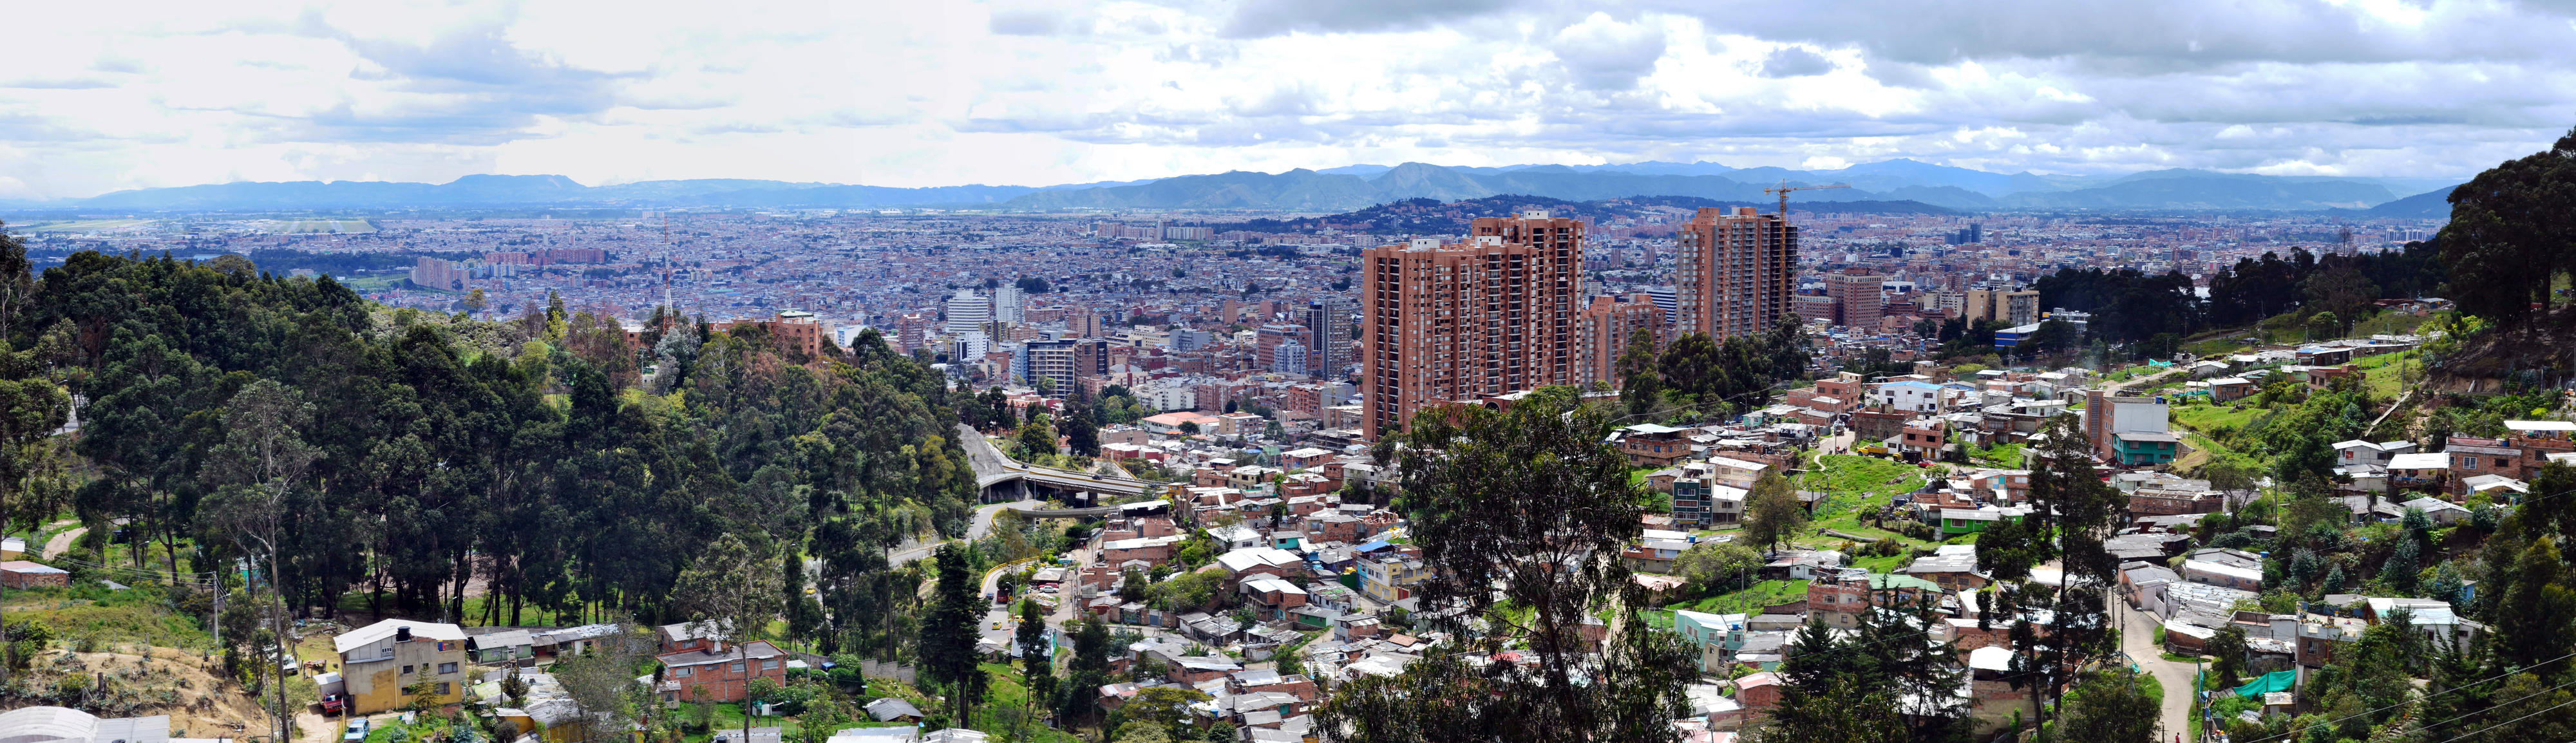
1373 546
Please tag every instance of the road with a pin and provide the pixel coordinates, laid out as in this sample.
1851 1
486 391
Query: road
982 525
2122 388
62 542
2137 638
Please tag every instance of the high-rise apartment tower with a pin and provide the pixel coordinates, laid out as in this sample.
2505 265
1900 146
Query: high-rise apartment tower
1735 272
1455 322
1328 326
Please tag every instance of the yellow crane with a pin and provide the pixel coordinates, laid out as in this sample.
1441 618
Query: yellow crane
1783 191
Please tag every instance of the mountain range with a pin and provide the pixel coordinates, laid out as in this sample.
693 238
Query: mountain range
1331 190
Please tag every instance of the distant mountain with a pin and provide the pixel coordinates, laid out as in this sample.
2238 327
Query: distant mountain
1422 216
2191 191
1335 190
2434 204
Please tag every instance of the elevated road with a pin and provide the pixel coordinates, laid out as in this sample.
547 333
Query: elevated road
1000 478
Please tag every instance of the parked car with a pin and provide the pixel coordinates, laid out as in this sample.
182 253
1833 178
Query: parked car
357 731
333 704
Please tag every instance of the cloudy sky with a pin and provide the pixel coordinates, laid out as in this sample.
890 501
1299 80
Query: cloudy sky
98 98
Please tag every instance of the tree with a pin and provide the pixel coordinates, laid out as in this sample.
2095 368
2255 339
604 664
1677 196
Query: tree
1082 434
2072 513
601 682
730 591
1772 512
1711 564
2323 326
1037 666
1036 438
948 633
2111 706
1078 698
1644 384
2228 647
261 465
1166 707
2542 622
2005 550
1528 506
2509 235
2399 572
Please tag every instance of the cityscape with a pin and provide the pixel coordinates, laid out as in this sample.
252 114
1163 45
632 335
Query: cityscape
1289 373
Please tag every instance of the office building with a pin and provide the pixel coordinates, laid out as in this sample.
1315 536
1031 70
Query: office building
1328 330
1735 272
1602 332
1065 362
1459 321
968 311
1009 304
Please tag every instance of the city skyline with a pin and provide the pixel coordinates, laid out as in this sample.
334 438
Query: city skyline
909 96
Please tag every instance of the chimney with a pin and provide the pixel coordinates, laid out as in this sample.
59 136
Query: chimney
402 634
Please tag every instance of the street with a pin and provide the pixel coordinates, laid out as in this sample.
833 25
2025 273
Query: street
2137 638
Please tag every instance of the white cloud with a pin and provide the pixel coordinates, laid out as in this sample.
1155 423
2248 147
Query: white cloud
1045 91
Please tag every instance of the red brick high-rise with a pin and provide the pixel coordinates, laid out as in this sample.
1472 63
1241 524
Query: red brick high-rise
1602 331
1736 271
1489 316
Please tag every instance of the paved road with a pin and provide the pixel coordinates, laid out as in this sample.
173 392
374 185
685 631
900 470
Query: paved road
982 525
2137 638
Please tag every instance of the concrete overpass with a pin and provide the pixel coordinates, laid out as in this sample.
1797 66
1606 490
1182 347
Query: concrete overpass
999 479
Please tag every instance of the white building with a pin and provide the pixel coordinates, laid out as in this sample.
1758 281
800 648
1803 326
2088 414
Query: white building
968 311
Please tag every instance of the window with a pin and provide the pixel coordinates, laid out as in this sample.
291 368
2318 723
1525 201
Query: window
737 666
446 668
406 670
771 663
444 688
682 671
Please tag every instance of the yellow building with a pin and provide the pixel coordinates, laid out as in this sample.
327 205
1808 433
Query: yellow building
380 661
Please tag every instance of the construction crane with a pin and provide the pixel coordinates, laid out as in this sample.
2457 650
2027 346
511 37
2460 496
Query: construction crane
1784 188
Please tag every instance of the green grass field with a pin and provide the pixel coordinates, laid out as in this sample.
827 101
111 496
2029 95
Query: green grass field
1857 484
2381 374
2213 417
1762 594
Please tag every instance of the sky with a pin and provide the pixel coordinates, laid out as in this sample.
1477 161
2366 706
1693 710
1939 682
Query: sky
922 93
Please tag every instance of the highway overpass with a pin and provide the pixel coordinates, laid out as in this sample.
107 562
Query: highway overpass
1001 479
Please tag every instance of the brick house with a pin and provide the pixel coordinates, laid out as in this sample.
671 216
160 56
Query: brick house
716 672
25 574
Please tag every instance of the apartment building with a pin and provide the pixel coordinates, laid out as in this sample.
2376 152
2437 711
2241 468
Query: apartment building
1066 361
2012 308
1735 272
382 662
1457 321
1858 300
1602 332
1328 333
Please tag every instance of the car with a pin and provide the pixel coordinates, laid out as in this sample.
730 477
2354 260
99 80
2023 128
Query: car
357 731
997 625
333 704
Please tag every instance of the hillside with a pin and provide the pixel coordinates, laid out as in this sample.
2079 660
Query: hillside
2434 204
